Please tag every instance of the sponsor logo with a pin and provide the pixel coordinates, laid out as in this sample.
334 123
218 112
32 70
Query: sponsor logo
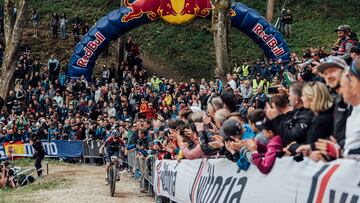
320 182
209 187
269 39
166 179
50 149
172 11
89 49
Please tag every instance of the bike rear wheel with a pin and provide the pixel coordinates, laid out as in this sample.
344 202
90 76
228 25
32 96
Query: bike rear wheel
112 179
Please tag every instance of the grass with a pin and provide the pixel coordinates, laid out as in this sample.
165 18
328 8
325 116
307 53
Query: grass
22 194
27 162
45 184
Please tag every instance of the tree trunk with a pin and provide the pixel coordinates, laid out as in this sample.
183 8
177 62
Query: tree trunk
270 10
121 48
12 39
220 27
121 43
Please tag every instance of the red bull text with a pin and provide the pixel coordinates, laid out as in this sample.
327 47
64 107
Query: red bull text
270 40
90 48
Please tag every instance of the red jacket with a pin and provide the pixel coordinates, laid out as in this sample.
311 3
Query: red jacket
265 163
151 114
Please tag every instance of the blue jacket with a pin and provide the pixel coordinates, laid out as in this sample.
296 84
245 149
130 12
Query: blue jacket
248 133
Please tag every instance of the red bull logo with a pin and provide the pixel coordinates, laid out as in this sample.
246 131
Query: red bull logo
89 49
270 40
172 11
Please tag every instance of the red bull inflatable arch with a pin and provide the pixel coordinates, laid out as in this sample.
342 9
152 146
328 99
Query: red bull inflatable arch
140 12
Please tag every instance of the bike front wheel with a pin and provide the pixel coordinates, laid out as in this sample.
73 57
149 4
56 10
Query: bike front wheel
112 179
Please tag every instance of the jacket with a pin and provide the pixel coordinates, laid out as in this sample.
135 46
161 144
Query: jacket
321 127
265 164
39 149
341 113
293 125
193 153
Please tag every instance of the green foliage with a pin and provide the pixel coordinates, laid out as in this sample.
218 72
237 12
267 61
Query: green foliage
87 10
188 50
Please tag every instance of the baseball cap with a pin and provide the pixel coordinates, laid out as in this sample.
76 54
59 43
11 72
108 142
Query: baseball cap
332 61
231 127
341 28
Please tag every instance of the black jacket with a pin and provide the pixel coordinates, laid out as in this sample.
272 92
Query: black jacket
322 126
39 149
341 112
294 125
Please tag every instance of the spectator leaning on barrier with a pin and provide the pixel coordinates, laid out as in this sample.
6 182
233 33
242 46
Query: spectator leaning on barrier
332 71
317 98
264 156
352 141
293 125
349 88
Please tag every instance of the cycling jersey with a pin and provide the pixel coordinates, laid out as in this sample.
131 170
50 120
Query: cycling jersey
112 147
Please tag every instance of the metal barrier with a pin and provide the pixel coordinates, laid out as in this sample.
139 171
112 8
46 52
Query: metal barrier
91 150
144 166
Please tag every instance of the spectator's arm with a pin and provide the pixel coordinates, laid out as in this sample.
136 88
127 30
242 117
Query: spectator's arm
264 164
193 153
348 50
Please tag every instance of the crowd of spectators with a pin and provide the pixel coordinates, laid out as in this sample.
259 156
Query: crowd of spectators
262 110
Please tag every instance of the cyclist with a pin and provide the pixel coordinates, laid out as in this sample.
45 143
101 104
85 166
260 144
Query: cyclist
112 146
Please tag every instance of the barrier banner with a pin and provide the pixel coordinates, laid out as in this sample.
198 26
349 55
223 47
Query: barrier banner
63 149
219 180
2 153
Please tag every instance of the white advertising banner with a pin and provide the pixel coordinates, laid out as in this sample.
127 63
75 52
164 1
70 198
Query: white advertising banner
220 180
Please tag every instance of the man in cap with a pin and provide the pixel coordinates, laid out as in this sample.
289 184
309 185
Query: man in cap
331 71
350 89
231 130
344 44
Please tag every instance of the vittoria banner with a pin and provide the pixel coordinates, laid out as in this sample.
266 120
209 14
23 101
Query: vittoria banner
219 180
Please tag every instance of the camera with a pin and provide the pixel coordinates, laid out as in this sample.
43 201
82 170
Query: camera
273 90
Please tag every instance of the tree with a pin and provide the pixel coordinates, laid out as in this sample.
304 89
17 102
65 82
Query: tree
13 25
270 10
220 28
121 43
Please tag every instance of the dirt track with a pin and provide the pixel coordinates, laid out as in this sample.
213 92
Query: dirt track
88 185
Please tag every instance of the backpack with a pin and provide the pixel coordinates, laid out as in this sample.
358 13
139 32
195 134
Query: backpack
23 180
